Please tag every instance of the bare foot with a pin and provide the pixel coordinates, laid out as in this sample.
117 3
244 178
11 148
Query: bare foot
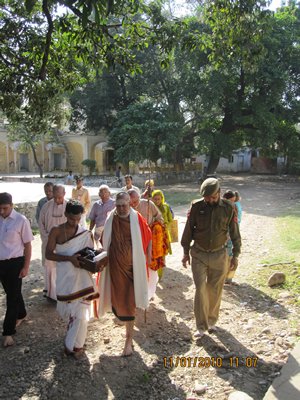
128 348
77 353
8 341
19 321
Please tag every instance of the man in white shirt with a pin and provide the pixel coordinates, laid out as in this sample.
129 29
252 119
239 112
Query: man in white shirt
129 185
15 255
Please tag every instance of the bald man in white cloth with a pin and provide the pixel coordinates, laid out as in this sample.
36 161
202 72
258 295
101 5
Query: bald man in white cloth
74 286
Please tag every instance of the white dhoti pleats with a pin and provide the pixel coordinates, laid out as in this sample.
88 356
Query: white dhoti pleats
77 326
152 283
50 276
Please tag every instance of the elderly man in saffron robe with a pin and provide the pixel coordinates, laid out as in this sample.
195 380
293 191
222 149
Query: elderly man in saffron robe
123 283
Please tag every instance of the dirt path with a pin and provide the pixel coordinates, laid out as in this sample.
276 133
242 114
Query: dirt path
167 363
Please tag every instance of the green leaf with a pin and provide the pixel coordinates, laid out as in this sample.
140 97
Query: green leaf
29 5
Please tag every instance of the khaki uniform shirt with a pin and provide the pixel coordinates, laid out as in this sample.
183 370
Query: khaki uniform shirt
208 226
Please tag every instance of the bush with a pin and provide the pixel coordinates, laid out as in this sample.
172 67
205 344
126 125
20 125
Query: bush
91 164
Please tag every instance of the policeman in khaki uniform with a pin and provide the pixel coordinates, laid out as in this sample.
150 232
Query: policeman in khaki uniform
209 221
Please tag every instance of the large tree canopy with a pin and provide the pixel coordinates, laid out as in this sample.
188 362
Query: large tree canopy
49 47
231 77
242 76
143 132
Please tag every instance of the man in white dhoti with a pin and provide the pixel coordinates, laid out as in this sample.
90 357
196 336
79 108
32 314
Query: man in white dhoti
48 189
123 284
52 214
74 286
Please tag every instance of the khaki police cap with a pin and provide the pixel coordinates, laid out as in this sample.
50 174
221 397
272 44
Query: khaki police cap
209 187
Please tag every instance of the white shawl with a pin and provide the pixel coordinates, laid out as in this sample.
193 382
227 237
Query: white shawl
138 261
73 284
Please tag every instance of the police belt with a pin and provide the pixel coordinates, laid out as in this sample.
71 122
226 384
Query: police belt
211 251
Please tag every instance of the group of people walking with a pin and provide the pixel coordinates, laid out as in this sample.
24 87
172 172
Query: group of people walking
133 230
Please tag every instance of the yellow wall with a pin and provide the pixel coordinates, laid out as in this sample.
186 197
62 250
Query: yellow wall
76 154
99 160
3 160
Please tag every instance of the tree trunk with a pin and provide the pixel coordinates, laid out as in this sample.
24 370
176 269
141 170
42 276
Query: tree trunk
40 168
226 129
212 164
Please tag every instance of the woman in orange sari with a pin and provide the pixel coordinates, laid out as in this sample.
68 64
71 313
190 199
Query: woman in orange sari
159 200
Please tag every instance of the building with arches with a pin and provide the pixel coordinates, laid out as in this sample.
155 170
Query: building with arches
65 154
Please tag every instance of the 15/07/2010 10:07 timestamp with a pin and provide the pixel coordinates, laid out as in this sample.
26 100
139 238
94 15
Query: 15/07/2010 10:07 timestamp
206 362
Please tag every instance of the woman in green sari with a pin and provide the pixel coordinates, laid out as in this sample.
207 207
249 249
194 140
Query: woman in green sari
158 199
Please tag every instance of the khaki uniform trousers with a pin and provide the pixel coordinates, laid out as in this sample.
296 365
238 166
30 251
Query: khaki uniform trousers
209 272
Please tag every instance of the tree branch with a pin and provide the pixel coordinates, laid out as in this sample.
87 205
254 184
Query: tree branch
43 71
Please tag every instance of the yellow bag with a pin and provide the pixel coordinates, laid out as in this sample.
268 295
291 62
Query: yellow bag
173 229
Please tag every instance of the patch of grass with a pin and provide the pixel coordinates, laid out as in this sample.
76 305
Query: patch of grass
144 378
291 285
285 248
180 198
289 230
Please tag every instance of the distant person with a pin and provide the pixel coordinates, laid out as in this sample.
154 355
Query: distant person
123 283
204 239
74 285
52 214
70 178
158 199
146 208
99 212
48 189
149 187
82 195
119 176
238 205
231 196
129 185
15 255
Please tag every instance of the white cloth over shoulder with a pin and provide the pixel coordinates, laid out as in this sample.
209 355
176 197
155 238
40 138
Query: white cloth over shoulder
139 266
73 284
